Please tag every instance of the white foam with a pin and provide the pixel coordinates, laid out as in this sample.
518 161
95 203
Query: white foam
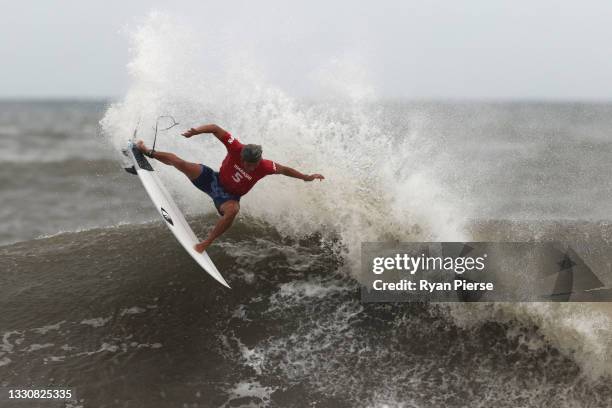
253 389
147 345
378 186
582 331
133 310
55 359
96 322
36 347
300 291
6 346
49 327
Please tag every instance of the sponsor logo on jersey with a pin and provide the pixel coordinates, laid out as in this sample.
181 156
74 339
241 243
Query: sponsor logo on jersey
240 174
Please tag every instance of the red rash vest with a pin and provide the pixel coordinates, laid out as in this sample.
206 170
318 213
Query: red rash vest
234 179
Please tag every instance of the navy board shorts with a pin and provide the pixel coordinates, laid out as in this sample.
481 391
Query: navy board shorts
208 182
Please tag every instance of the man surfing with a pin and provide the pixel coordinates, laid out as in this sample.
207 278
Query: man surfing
242 167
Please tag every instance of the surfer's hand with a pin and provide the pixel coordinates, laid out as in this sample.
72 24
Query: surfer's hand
190 132
314 177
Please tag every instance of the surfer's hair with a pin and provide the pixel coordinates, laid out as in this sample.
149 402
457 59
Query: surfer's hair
251 153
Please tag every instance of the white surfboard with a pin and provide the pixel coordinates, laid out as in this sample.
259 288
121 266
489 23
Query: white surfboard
169 211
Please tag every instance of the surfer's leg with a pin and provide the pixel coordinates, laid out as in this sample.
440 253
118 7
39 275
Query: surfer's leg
191 170
230 210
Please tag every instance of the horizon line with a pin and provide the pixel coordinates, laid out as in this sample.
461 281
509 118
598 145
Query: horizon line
109 98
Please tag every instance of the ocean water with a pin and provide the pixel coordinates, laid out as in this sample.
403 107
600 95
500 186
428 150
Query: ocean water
97 296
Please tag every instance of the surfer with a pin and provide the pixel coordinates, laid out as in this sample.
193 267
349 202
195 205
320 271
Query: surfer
242 167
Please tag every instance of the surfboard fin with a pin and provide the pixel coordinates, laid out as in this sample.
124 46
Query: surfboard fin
126 163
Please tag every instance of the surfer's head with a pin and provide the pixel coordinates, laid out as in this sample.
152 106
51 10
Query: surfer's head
251 156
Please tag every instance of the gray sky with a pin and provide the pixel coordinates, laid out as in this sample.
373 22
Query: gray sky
479 49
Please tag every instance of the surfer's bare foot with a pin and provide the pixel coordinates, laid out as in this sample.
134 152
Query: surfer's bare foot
141 146
144 149
202 246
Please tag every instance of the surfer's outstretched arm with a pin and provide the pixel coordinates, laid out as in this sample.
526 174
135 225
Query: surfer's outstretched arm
230 210
289 172
216 130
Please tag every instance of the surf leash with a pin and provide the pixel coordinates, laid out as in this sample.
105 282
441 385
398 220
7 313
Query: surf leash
174 123
136 130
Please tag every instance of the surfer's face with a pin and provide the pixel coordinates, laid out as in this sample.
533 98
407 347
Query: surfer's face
250 166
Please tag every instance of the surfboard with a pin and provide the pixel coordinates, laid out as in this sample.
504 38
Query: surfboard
173 217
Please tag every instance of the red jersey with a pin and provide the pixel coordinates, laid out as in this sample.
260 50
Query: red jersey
234 179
